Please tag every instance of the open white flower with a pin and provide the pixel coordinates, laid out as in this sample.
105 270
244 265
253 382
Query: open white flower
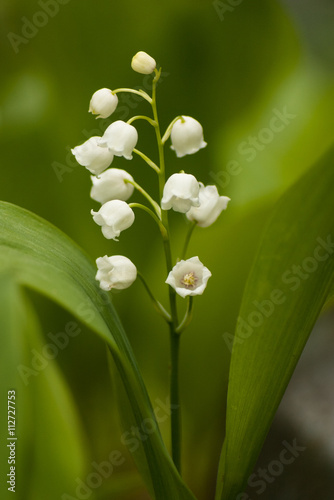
111 185
143 63
187 136
180 193
92 156
113 217
103 103
115 272
211 206
189 277
120 138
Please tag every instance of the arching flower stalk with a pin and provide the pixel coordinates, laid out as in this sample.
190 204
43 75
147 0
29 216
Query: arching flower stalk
181 192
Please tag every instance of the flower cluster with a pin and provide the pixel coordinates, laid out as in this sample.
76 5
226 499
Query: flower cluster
112 187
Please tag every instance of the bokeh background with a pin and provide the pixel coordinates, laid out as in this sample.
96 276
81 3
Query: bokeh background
234 66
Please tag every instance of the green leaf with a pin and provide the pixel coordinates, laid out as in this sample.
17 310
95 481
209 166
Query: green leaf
330 299
49 449
43 258
287 287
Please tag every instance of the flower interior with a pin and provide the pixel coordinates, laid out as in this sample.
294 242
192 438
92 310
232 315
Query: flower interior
189 280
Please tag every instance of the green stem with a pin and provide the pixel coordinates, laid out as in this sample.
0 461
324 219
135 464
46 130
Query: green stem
187 240
175 399
142 93
147 160
141 117
174 337
158 307
169 129
149 198
187 317
152 214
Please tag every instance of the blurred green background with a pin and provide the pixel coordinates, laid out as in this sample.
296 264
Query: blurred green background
232 67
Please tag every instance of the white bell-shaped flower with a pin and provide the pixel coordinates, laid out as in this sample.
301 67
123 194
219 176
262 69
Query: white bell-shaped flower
187 136
120 138
103 103
180 193
189 277
92 156
113 217
115 272
211 206
111 185
143 63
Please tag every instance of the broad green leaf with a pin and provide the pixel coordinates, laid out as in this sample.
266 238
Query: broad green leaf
49 450
287 287
330 299
43 258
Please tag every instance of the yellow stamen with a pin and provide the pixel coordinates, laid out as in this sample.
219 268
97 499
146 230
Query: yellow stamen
189 280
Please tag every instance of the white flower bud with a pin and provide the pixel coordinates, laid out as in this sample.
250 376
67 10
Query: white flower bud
120 138
189 277
92 156
187 136
180 193
103 103
211 206
113 217
111 185
115 272
143 63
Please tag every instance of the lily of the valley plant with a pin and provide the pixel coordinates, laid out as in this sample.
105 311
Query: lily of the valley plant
180 191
